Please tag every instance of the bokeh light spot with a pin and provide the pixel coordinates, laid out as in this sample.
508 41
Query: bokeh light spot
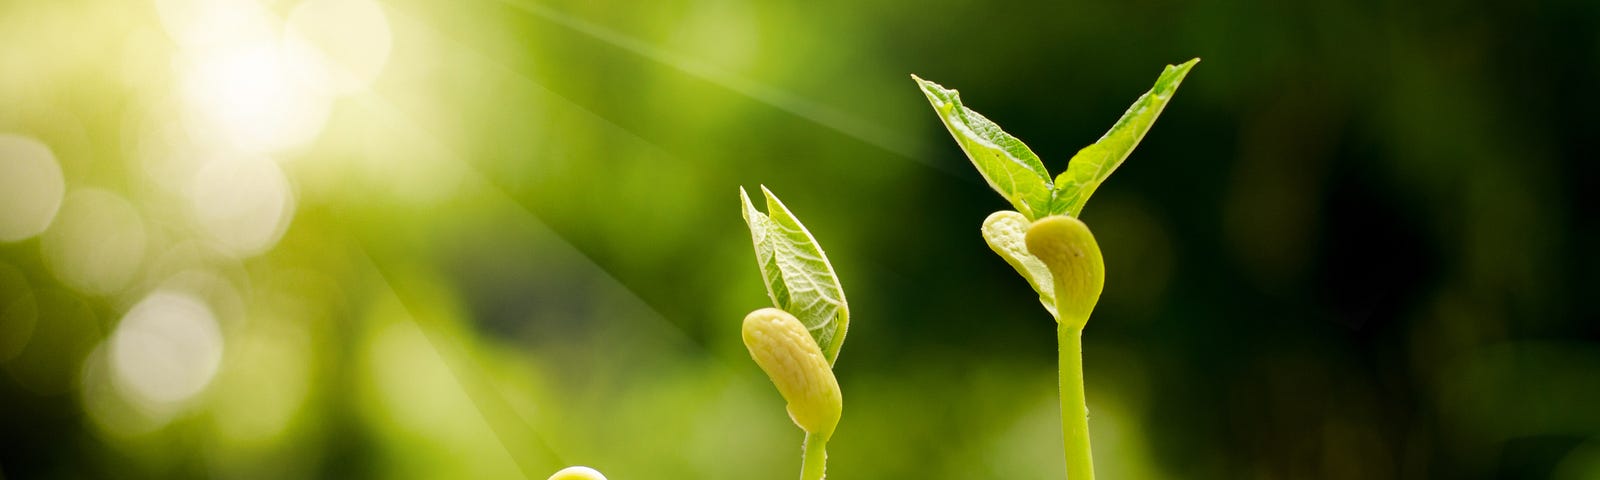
166 349
114 415
97 242
244 205
31 187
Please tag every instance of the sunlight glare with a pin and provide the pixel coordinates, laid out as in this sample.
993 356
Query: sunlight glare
337 46
246 97
200 25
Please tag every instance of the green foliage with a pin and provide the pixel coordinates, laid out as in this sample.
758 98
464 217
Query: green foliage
1012 169
1095 162
797 273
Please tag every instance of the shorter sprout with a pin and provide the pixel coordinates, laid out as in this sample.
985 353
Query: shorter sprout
1067 248
578 473
783 348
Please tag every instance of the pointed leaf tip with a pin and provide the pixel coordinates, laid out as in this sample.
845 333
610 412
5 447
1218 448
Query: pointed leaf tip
1091 165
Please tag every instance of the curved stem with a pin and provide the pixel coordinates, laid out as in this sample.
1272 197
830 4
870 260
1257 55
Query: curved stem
814 462
1074 407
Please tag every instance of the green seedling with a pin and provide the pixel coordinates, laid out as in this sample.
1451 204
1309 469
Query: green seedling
1043 238
797 340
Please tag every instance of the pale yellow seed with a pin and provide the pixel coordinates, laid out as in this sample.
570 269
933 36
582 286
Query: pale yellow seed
578 473
1067 248
783 348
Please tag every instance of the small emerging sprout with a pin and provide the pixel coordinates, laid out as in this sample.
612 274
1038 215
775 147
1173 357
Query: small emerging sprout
1043 238
797 340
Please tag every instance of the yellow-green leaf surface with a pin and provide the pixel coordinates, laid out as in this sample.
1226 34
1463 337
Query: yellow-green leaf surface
797 273
1005 162
1006 231
1095 162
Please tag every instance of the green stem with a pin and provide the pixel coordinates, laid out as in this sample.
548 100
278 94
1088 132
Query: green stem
814 462
1074 407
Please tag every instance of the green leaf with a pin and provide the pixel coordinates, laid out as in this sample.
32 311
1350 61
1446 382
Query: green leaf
797 273
1006 232
1094 163
1005 162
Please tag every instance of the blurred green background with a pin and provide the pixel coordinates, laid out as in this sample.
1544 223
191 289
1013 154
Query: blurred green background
491 238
